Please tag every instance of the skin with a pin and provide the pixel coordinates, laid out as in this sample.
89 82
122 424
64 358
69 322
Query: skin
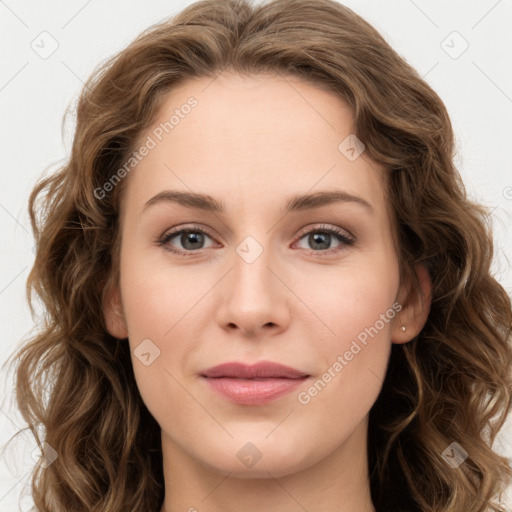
251 142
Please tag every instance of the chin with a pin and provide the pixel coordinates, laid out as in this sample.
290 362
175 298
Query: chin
246 461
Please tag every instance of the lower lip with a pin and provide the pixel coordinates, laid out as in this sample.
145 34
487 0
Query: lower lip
253 391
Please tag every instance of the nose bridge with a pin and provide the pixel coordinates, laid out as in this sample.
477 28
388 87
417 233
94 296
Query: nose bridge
253 253
251 273
253 295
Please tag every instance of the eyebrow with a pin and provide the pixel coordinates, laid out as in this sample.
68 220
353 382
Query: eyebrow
295 203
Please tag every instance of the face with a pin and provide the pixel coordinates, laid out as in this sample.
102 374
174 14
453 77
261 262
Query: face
314 287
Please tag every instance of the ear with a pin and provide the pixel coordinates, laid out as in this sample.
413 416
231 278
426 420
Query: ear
113 313
415 307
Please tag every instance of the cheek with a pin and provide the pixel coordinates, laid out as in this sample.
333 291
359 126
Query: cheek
358 306
157 296
163 309
156 301
350 299
354 359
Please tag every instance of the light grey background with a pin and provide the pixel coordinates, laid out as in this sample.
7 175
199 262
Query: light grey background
475 85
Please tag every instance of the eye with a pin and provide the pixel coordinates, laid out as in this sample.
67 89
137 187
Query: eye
193 237
321 238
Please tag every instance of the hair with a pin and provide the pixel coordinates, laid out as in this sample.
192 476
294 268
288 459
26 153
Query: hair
75 385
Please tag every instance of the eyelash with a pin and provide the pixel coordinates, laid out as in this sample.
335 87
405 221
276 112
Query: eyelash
340 235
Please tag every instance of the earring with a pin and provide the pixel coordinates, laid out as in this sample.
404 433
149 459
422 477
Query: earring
402 328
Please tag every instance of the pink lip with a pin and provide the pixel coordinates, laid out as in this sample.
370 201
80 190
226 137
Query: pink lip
253 385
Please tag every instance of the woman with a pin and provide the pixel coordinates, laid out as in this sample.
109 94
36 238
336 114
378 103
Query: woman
200 353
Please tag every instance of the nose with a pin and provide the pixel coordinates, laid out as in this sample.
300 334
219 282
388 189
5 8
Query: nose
254 298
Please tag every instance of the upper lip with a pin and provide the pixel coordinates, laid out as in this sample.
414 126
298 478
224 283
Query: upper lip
263 369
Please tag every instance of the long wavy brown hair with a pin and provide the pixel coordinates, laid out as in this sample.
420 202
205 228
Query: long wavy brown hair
75 385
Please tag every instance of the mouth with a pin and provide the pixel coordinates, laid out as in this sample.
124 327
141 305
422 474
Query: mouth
256 384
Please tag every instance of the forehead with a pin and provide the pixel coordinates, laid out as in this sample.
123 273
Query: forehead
258 137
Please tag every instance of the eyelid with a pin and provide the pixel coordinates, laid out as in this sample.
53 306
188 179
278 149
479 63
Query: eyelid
347 239
325 227
168 235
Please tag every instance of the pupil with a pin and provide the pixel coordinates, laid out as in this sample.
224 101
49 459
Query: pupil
318 238
194 238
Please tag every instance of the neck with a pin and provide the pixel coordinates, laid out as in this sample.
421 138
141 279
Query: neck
337 483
